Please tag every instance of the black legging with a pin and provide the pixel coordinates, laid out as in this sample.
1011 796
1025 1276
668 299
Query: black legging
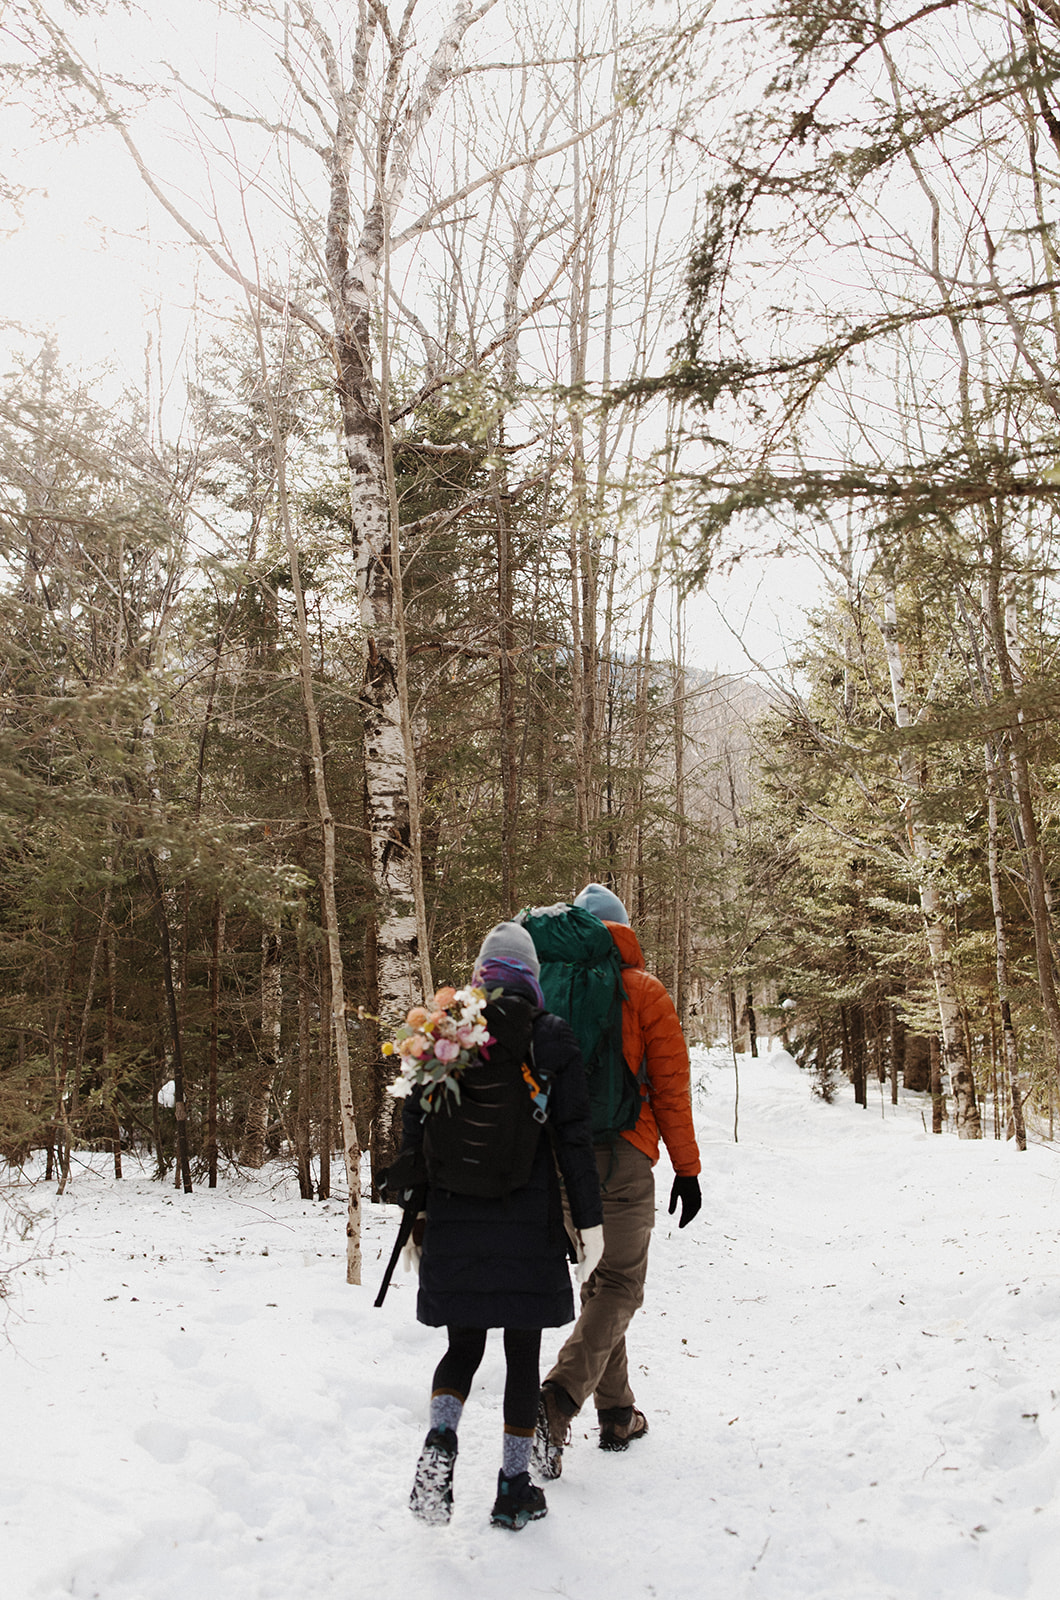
522 1381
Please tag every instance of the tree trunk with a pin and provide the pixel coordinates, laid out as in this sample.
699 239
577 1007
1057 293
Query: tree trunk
878 1049
857 1054
263 1075
326 1089
1008 1031
752 1025
177 1046
895 1048
583 562
506 695
110 1072
916 1062
305 1085
631 881
936 927
1035 873
354 276
937 1098
846 1060
216 946
161 1162
337 983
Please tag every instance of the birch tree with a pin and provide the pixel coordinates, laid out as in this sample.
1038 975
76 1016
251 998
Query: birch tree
368 99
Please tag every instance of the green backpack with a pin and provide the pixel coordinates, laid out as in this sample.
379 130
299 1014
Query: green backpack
581 979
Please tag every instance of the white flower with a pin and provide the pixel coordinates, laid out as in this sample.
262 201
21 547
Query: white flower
399 1089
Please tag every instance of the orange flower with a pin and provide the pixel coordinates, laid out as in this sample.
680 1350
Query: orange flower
444 998
416 1017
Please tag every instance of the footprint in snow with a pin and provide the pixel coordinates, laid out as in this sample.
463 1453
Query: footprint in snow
163 1441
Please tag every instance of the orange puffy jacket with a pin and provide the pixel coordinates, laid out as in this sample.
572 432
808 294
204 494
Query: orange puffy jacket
651 1035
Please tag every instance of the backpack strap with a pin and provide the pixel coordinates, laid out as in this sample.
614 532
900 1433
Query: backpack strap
538 1082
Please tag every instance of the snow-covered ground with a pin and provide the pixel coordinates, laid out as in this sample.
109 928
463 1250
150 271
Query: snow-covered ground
850 1362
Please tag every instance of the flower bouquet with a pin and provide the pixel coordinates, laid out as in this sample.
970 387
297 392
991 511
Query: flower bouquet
437 1042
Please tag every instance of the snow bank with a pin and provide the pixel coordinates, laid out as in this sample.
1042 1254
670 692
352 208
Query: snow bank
848 1362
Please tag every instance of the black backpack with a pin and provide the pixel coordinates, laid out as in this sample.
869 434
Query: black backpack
485 1142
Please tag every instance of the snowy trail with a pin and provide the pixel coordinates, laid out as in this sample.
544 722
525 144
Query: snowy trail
850 1362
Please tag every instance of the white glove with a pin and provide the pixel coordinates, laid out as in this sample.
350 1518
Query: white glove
412 1249
589 1247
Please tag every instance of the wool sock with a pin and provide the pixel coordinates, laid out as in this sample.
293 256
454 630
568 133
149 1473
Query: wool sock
445 1410
517 1449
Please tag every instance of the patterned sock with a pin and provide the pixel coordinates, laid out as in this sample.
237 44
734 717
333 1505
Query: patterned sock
517 1448
445 1411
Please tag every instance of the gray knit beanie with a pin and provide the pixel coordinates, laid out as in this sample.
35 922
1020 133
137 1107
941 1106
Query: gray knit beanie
598 899
509 942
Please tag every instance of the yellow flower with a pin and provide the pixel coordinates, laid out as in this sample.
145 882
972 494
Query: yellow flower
388 1048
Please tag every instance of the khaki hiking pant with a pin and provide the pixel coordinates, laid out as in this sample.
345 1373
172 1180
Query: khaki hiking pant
593 1360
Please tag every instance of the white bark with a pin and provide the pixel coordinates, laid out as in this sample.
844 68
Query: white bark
356 272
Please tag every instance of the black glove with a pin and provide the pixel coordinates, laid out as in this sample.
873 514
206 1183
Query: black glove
688 1192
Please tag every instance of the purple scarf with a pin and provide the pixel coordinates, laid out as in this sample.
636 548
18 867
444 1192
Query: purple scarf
514 977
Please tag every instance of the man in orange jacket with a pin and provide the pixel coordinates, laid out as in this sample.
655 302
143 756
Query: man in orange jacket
593 1361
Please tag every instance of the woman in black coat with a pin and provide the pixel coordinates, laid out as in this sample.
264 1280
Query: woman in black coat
502 1262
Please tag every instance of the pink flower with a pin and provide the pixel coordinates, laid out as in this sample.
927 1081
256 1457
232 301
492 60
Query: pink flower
446 1049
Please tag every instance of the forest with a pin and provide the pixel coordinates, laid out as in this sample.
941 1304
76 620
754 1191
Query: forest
360 616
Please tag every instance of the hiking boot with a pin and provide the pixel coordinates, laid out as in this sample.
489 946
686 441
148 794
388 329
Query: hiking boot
552 1430
620 1425
518 1502
431 1499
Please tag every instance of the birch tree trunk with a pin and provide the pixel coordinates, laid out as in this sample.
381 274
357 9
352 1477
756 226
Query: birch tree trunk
354 270
936 927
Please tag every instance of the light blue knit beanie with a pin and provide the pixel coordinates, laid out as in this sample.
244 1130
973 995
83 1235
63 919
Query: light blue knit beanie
598 899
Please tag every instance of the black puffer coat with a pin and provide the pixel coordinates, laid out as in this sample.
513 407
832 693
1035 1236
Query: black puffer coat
503 1263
